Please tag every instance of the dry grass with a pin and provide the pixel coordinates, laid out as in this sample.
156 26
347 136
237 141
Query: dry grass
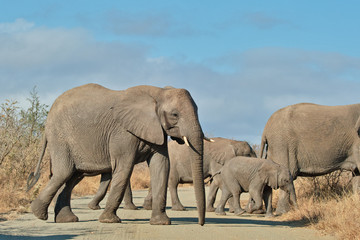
327 204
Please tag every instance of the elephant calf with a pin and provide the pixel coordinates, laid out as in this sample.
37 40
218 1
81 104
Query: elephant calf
256 176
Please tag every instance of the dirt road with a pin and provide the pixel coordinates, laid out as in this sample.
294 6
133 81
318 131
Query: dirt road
135 225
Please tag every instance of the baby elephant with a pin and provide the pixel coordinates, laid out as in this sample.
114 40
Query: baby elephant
256 176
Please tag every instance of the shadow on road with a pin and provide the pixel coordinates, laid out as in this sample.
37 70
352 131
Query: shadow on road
239 221
57 237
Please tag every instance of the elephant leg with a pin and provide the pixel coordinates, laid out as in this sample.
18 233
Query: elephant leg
120 179
148 200
41 204
63 172
100 194
211 197
63 211
175 201
231 205
257 197
267 196
220 209
128 199
159 174
283 204
236 201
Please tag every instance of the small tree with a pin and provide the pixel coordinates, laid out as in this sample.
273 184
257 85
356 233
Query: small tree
34 117
10 128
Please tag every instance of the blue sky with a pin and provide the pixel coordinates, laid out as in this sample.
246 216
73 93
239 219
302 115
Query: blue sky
241 60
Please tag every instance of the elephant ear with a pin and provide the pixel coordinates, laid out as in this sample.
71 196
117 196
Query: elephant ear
272 174
136 112
273 180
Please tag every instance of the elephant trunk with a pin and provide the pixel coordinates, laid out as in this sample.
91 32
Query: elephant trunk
196 147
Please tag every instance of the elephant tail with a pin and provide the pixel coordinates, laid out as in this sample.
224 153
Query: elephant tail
34 176
212 177
262 146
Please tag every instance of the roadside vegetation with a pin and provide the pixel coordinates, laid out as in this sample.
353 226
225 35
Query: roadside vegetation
326 203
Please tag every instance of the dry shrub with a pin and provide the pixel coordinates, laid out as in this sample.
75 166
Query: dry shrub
20 143
327 204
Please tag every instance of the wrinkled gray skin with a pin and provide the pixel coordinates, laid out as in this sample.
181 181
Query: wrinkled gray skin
92 130
256 176
215 155
313 140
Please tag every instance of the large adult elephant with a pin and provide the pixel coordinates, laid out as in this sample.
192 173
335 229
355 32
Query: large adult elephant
313 140
92 130
216 153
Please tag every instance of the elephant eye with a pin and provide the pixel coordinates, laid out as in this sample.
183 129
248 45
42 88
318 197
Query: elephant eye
175 114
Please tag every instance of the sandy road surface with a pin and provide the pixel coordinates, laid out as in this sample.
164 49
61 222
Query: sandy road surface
135 225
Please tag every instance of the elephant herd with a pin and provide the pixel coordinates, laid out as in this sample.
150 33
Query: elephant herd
92 130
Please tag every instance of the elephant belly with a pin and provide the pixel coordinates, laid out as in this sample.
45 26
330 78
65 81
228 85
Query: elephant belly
94 166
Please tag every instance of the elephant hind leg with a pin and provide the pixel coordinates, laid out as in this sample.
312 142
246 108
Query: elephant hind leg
225 195
63 211
40 205
211 197
128 199
148 200
101 192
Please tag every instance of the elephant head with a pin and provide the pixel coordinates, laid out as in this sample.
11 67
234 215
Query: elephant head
277 176
155 113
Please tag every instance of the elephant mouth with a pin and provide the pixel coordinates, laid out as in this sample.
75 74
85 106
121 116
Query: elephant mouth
178 140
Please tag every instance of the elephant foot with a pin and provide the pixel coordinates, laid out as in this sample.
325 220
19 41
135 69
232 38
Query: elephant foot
220 212
65 215
239 212
130 206
94 206
39 209
231 210
178 207
109 217
160 219
210 209
147 205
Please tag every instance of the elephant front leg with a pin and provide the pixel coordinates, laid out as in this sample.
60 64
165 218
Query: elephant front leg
267 196
159 173
256 195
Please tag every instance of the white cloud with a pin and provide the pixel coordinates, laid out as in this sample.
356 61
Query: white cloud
20 25
234 105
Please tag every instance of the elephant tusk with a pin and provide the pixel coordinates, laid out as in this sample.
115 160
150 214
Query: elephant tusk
209 139
186 141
